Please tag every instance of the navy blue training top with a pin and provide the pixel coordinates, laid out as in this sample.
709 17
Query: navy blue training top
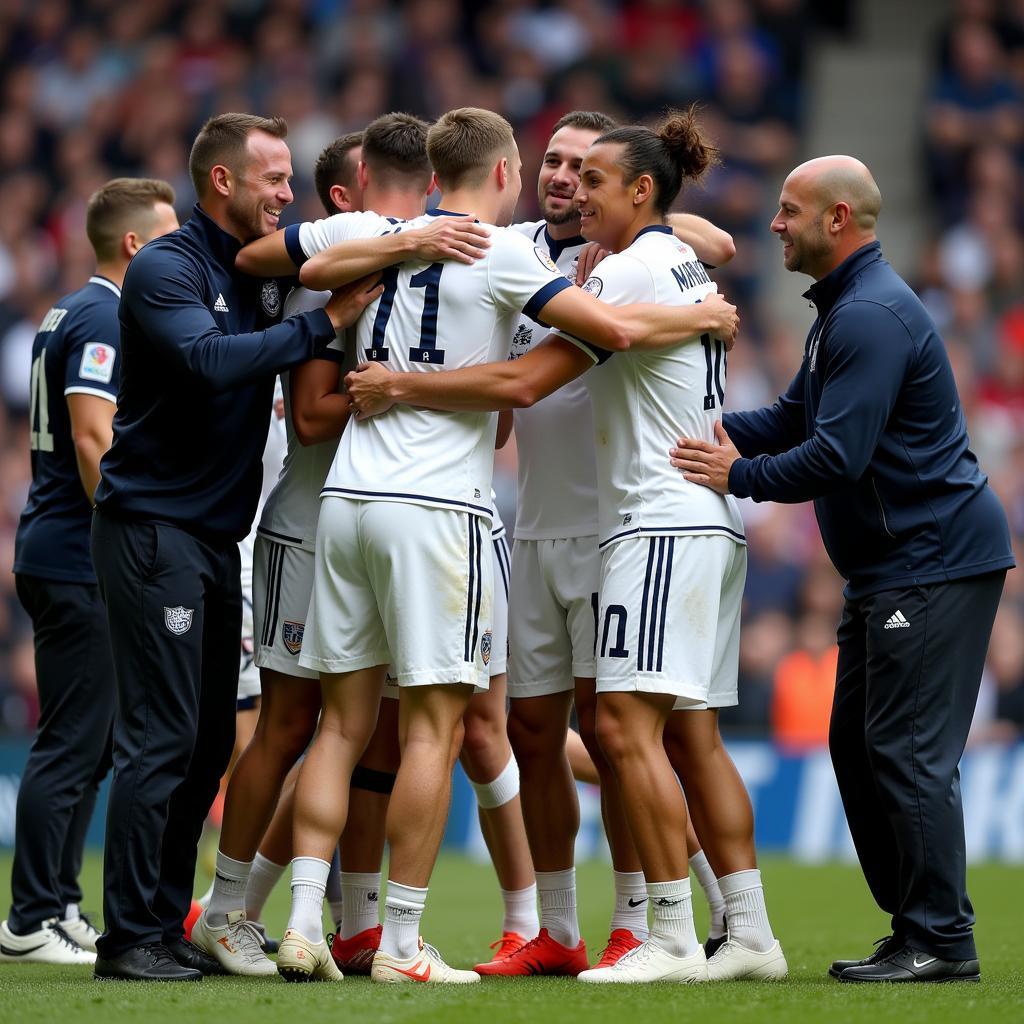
76 351
201 343
871 428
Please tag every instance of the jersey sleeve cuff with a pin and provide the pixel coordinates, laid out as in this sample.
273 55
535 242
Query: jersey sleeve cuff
599 355
331 355
293 244
82 389
739 483
543 297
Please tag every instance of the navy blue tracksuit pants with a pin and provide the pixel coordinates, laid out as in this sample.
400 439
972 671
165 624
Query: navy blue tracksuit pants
175 612
910 664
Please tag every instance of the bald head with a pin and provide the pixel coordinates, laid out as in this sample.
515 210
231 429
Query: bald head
841 179
827 210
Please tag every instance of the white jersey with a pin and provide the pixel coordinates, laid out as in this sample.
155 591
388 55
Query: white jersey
643 402
291 510
433 317
557 473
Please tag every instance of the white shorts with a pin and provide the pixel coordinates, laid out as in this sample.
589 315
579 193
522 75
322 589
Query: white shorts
552 614
670 618
282 584
502 573
400 584
248 674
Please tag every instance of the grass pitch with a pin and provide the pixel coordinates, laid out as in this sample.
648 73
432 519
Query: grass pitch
818 912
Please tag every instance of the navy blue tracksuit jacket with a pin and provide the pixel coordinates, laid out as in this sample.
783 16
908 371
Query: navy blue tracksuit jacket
871 428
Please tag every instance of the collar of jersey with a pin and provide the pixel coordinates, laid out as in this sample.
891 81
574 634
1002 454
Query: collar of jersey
556 246
824 293
216 241
661 229
438 212
105 282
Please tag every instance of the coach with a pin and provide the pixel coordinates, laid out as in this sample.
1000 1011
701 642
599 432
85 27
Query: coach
872 429
200 344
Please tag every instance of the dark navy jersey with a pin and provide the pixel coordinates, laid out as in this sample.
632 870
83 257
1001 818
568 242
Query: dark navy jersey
200 344
76 351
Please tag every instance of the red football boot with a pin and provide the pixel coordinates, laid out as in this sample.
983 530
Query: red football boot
355 955
620 942
509 943
542 955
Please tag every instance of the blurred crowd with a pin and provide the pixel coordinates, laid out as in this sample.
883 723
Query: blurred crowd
93 88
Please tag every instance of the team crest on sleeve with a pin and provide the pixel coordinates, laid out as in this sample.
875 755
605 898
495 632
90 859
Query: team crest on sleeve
593 285
485 647
178 620
270 298
545 260
97 362
291 635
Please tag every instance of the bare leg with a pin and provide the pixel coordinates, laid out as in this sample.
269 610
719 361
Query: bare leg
580 761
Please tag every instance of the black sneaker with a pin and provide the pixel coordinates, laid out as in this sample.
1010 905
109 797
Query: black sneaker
908 964
188 954
150 962
883 948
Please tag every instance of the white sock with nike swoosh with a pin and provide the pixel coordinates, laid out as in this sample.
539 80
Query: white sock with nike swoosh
403 910
745 911
672 917
630 903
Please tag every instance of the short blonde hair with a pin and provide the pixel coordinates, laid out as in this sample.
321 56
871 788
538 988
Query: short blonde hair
120 206
464 144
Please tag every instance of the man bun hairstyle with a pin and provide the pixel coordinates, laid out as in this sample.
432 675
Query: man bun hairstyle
335 166
223 140
120 206
675 151
395 151
464 144
588 120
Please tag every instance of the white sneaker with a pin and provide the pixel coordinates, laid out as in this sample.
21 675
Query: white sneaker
49 945
82 931
236 946
647 963
298 959
733 962
426 966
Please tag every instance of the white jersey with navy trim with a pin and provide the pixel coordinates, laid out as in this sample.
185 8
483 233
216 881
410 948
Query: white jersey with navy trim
291 510
434 317
643 402
557 473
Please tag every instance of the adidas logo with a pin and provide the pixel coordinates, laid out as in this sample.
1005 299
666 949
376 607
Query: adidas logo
896 621
220 306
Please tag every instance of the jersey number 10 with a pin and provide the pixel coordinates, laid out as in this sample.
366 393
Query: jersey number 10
427 350
716 374
40 438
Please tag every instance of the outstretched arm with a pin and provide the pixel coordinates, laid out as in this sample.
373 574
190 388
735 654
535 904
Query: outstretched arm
511 384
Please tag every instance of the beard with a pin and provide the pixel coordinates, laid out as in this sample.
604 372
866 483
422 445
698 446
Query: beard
247 218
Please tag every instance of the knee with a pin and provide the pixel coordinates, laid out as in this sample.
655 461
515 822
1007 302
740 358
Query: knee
285 738
610 734
531 740
484 740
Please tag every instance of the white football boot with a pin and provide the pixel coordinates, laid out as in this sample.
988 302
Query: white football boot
299 959
647 963
425 967
81 929
236 946
49 945
734 962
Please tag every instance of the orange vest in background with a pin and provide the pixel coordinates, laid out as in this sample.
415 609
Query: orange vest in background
802 699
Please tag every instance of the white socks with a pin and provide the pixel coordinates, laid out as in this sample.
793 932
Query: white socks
716 904
72 912
521 911
403 910
262 879
228 893
360 902
745 911
309 882
557 890
672 917
630 903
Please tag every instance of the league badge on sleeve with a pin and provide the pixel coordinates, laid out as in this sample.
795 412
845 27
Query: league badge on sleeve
270 298
97 362
545 260
593 285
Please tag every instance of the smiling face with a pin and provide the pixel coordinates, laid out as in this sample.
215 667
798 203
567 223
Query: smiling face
800 224
560 174
262 188
605 200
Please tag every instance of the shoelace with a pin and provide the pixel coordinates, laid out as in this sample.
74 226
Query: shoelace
506 946
159 954
618 947
86 919
63 936
245 935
